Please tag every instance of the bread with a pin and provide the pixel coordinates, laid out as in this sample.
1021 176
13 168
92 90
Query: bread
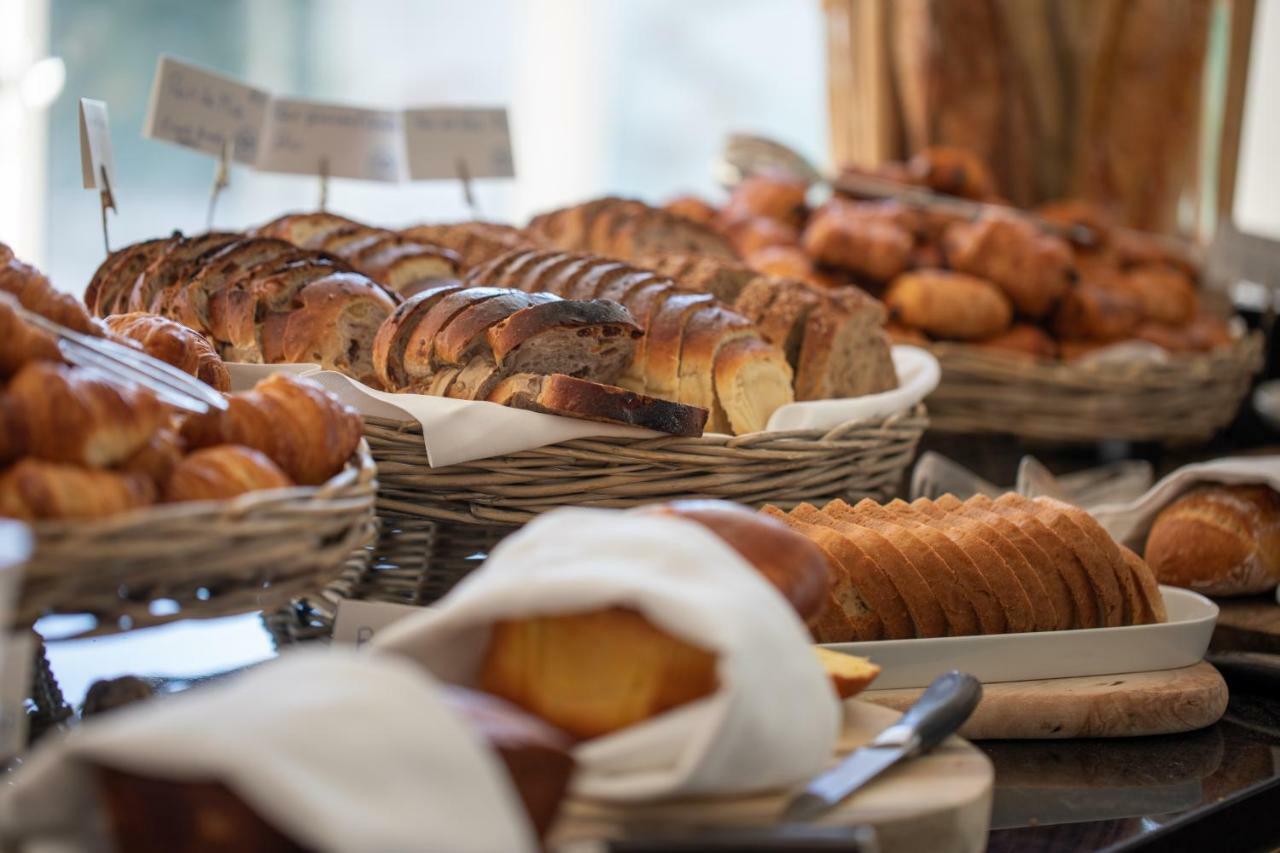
626 229
537 757
790 562
66 414
191 302
949 304
752 381
951 567
20 341
1033 269
751 235
108 290
783 262
222 472
296 424
868 246
474 243
768 196
177 263
156 459
307 230
175 344
952 171
557 394
1022 340
596 672
395 333
691 207
34 293
37 490
1218 540
1096 312
849 674
1165 295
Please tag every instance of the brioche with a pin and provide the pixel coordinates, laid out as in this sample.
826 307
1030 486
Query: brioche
593 673
949 304
222 472
1218 540
296 424
173 344
36 490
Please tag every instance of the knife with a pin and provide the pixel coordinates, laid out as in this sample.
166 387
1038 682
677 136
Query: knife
939 712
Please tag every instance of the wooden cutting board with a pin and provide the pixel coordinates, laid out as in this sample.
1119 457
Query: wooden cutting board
1248 625
940 802
1143 703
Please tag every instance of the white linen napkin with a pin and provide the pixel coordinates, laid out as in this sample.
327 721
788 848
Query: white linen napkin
457 431
1130 522
774 719
341 752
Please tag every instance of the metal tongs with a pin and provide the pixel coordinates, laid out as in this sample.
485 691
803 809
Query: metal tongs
119 363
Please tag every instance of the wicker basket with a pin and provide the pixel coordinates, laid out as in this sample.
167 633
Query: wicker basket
201 560
1185 399
438 523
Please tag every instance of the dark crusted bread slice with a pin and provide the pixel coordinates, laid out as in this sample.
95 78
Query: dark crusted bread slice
590 276
617 288
333 325
783 323
305 230
664 339
752 381
250 300
725 280
399 263
543 271
395 332
419 353
191 301
592 340
348 243
495 270
558 394
174 265
461 336
222 300
118 273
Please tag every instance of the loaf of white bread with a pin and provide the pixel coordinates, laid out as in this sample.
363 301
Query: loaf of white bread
981 566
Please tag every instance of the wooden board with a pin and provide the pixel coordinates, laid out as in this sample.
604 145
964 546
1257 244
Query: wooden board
1143 703
940 802
1247 625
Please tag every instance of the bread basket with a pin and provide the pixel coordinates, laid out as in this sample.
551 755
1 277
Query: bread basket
438 523
1186 398
201 560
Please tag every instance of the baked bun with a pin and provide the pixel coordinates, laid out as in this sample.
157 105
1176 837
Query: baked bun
794 565
1219 540
594 673
949 304
225 471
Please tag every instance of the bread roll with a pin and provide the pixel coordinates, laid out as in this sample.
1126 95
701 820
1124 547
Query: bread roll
594 673
1097 312
35 490
222 472
1166 295
1033 269
1219 540
1022 340
949 304
774 197
867 246
953 171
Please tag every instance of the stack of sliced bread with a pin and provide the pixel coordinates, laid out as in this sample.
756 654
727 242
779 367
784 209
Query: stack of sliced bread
527 350
626 229
474 242
402 263
981 566
695 350
259 299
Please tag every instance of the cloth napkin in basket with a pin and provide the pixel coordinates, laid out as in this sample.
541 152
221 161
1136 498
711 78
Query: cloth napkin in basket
457 431
342 752
774 719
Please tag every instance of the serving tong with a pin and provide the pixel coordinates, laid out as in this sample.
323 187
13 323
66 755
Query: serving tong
119 363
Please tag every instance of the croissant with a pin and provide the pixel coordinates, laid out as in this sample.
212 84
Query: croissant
34 489
296 424
218 473
20 342
175 344
34 291
65 414
157 458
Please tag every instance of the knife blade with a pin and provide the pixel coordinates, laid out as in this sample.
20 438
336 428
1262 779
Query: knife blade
939 712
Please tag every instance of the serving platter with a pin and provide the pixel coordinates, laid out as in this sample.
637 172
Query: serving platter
1179 642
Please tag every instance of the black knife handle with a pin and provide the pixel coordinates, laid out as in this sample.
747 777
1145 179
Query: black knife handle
941 710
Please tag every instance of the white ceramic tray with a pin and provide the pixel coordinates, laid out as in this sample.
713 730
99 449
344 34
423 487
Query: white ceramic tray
1179 642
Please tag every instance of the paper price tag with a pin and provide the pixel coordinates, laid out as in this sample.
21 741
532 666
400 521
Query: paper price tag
358 621
95 144
199 109
438 138
306 137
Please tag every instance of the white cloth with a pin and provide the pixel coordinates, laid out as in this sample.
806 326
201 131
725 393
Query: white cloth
1130 522
457 431
338 751
772 722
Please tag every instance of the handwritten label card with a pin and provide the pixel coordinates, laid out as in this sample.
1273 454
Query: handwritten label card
437 138
305 137
357 622
95 144
199 109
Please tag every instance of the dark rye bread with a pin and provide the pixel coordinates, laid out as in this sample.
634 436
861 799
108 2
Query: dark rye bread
558 394
848 616
1043 611
962 617
973 581
395 332
174 265
873 584
1021 512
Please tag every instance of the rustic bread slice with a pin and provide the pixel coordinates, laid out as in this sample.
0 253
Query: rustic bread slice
224 295
1054 584
395 332
589 340
1154 609
108 290
752 381
190 304
848 617
1131 600
403 265
783 324
558 394
435 385
348 243
334 325
1101 573
1022 512
1044 608
664 338
305 230
725 280
921 601
175 264
476 379
531 274
708 331
1019 610
557 277
464 335
641 303
844 352
870 580
495 271
987 605
474 242
962 617
587 277
250 301
616 288
756 298
420 352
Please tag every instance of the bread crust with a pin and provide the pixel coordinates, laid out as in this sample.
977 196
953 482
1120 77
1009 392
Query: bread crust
559 394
